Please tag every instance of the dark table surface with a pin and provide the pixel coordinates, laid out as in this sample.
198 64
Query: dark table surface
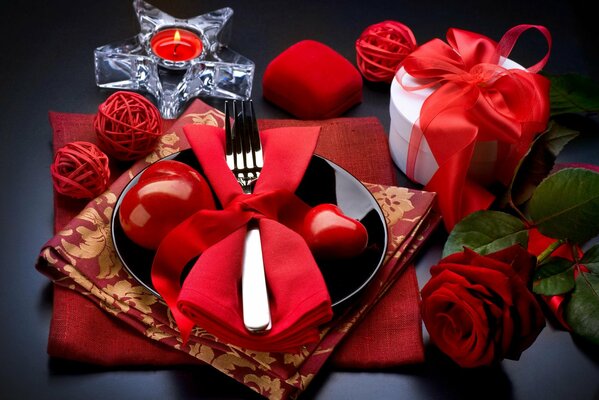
46 63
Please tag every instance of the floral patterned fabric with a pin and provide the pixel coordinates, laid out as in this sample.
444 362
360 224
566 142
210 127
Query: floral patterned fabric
81 257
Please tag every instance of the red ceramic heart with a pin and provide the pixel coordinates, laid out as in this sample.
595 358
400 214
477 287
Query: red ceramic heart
166 194
331 234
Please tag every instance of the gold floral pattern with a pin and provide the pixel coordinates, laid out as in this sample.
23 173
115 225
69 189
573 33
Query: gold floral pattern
136 296
211 118
230 362
395 202
156 333
265 385
93 240
167 145
295 359
264 358
202 352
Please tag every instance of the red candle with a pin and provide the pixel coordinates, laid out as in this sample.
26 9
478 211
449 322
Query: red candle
176 44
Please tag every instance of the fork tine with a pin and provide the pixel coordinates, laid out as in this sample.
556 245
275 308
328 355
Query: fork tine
245 148
254 133
255 139
237 128
237 133
248 131
228 132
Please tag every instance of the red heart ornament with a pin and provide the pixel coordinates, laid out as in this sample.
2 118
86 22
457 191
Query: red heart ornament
166 194
331 234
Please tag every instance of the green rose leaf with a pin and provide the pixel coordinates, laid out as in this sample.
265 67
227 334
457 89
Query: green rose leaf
486 232
572 93
566 205
555 276
582 310
590 259
538 161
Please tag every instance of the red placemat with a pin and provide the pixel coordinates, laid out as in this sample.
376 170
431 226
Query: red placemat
389 335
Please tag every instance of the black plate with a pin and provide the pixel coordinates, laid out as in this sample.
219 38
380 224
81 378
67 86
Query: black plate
324 182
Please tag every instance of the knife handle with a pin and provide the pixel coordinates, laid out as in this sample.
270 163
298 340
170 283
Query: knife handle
256 310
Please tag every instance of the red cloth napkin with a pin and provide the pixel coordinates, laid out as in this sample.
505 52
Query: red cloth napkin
80 330
209 296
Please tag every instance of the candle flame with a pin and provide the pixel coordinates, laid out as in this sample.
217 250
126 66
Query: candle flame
177 36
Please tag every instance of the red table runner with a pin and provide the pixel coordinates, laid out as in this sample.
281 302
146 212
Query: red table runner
388 334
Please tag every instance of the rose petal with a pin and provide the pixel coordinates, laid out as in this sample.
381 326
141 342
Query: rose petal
457 321
528 319
494 280
519 260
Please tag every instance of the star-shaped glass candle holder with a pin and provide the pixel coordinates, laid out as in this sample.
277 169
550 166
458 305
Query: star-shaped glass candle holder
176 59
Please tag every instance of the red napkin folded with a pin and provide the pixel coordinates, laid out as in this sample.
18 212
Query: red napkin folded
209 296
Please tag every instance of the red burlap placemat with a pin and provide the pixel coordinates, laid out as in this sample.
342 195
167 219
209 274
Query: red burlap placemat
389 334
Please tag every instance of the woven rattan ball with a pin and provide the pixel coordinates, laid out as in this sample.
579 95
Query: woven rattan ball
80 170
381 48
128 126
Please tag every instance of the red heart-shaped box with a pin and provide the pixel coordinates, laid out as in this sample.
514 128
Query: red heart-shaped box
331 234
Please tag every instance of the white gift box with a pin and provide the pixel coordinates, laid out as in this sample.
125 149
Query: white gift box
404 109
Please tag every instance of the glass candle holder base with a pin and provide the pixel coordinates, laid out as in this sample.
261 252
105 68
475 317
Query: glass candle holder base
217 71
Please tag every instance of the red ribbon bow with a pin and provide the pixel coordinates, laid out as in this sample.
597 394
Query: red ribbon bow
476 99
210 295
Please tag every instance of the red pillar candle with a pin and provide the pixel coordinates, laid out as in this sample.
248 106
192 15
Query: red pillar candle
176 44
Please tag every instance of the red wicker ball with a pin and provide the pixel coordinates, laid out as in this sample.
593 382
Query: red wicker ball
381 48
128 126
80 170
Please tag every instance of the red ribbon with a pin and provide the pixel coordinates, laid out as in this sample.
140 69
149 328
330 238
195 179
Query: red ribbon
475 99
210 296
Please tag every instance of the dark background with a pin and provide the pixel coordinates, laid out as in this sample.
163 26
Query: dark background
46 63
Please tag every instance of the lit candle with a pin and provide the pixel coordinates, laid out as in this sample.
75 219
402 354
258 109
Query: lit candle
176 44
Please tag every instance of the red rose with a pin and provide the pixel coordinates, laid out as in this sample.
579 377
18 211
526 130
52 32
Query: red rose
478 309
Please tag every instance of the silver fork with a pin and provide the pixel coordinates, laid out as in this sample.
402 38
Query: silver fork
244 158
